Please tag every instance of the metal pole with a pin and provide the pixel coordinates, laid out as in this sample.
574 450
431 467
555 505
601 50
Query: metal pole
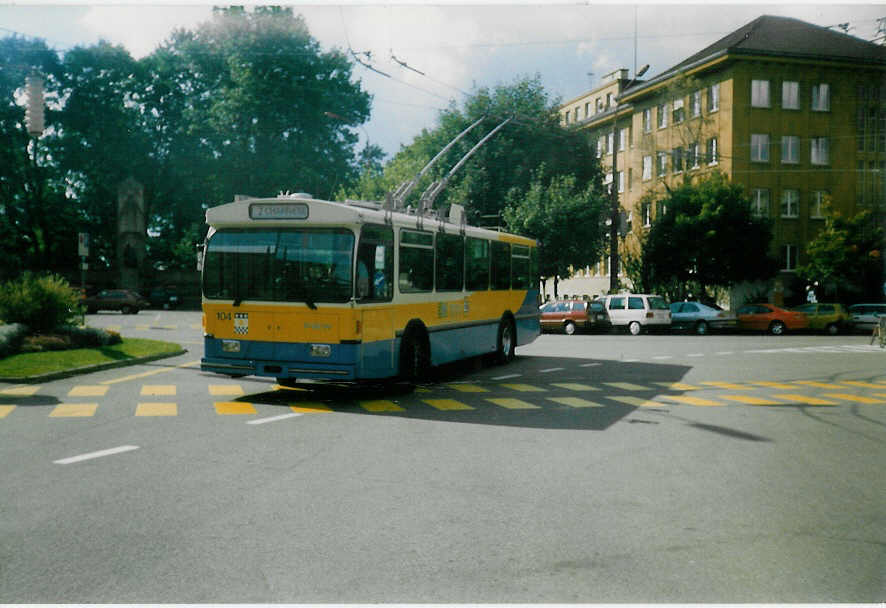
613 225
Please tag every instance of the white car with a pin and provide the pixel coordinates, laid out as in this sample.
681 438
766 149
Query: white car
865 316
638 310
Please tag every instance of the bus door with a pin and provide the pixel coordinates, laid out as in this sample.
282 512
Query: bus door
374 290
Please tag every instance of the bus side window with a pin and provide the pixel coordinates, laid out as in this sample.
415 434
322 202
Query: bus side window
520 267
416 261
476 264
450 262
375 264
501 265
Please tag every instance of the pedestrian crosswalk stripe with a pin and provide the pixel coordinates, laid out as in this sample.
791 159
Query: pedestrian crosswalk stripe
380 405
817 384
74 410
524 388
88 391
728 385
20 391
514 404
158 390
156 409
748 400
855 398
686 400
626 386
447 404
805 400
309 407
233 408
780 385
862 384
574 402
152 372
468 388
219 390
677 386
575 386
636 401
5 410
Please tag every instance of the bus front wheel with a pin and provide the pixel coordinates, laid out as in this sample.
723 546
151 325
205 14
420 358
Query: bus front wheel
507 341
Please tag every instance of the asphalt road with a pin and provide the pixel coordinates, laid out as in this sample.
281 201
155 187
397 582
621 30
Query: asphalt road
594 468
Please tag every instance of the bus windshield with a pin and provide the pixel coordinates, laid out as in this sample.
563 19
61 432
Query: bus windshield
286 265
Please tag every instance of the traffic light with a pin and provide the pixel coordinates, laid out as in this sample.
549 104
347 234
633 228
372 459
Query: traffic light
34 111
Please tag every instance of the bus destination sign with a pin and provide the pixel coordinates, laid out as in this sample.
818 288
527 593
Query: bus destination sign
278 211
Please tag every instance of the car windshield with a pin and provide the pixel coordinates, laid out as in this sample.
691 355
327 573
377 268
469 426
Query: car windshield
287 265
658 303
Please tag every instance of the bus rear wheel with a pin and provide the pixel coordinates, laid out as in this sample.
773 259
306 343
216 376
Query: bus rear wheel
415 357
506 344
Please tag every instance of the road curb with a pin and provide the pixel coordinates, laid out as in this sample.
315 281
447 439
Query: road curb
88 369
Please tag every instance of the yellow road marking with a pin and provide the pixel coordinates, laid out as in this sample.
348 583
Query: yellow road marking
677 386
775 385
219 390
233 408
468 388
636 401
805 399
855 398
447 404
157 390
691 400
748 400
574 402
88 391
817 384
574 386
310 408
513 404
20 391
524 388
73 410
5 409
151 373
156 409
626 386
380 405
862 384
730 385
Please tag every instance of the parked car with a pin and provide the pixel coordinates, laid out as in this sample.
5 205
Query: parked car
831 318
771 318
164 297
570 315
865 316
700 318
124 300
638 310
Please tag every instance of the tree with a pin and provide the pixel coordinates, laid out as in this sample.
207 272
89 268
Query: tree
565 216
846 257
705 236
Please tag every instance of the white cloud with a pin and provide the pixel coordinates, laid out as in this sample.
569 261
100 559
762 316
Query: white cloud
140 28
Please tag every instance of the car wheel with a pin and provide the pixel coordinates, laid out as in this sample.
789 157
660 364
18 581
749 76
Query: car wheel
569 328
701 328
506 344
777 328
833 329
126 310
634 328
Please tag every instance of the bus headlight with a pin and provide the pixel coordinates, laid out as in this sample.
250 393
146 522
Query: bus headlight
230 346
321 350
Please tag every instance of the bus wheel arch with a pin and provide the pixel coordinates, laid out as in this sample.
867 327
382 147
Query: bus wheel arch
506 342
415 352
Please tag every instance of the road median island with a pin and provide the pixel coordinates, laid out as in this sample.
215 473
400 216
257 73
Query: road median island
28 368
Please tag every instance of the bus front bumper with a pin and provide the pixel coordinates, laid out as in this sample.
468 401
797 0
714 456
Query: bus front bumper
275 360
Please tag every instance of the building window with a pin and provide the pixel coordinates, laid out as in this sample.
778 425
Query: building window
760 93
816 204
647 120
662 163
790 149
714 97
647 168
759 148
622 139
789 257
790 95
601 146
662 115
599 105
820 153
712 151
621 181
566 117
588 110
693 156
677 159
821 98
610 143
679 112
647 215
695 104
760 202
790 203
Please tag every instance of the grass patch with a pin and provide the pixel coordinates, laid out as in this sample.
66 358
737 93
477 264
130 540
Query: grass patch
36 364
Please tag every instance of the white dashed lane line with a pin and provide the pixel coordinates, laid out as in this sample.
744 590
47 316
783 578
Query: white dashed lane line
274 418
99 454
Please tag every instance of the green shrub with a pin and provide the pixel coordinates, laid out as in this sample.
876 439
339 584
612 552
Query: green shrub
40 342
11 337
89 337
43 303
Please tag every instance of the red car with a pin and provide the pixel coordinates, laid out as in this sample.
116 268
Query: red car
771 318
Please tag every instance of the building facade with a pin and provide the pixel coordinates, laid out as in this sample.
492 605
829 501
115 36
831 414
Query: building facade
794 112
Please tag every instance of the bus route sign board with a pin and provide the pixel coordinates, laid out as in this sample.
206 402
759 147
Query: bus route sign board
274 211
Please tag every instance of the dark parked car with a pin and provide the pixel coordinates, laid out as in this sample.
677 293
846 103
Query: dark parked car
164 297
569 315
124 300
700 318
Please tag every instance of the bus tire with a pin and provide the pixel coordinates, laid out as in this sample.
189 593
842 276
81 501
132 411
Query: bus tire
506 344
415 355
286 382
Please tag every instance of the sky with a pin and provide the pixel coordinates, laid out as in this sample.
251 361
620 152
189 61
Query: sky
450 49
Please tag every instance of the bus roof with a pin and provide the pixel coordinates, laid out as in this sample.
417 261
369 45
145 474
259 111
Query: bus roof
301 209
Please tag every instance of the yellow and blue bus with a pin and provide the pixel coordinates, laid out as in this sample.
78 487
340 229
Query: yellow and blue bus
296 287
